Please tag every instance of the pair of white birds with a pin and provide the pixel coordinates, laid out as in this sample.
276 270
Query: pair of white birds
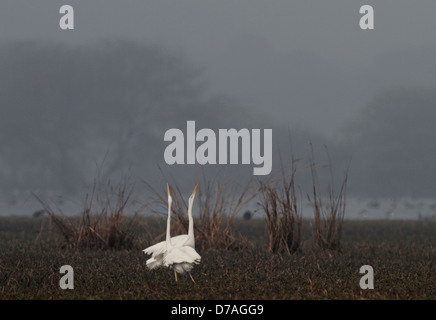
177 252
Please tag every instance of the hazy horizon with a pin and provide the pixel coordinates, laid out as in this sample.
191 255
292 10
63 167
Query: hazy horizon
106 92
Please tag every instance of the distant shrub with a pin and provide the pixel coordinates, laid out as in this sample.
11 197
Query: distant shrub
101 226
218 204
282 214
329 215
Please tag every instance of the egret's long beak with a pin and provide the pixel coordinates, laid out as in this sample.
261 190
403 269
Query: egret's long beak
195 189
168 189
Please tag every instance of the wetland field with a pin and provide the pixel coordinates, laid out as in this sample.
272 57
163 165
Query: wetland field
401 253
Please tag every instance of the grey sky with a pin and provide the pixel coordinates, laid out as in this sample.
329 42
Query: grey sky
233 38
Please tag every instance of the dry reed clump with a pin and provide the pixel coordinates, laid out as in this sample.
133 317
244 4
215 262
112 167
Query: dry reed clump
329 216
217 207
101 226
282 214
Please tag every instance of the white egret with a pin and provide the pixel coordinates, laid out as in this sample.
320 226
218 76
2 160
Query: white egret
157 250
177 252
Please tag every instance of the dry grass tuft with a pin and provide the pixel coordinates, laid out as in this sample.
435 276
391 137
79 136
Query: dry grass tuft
329 216
217 207
101 226
283 214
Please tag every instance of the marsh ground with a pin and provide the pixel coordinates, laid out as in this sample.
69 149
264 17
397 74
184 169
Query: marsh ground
402 254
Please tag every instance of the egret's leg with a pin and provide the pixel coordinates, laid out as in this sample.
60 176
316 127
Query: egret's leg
191 277
175 274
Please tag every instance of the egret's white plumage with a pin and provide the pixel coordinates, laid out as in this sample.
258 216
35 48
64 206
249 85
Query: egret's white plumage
180 254
157 250
181 259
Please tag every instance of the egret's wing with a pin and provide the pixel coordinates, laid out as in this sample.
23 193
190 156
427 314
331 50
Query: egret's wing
160 247
192 253
180 240
181 255
188 241
153 263
156 249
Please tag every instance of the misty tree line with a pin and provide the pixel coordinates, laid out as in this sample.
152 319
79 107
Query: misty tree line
65 111
68 111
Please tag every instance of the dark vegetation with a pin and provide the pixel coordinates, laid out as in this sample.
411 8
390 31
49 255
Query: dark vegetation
402 254
278 256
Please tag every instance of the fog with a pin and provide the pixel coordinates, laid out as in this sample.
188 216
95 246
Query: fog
99 99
